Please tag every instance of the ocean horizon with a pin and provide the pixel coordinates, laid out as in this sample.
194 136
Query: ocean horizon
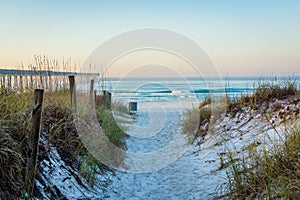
194 89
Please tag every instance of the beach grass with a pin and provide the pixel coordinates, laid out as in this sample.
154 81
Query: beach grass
106 119
58 129
266 173
263 172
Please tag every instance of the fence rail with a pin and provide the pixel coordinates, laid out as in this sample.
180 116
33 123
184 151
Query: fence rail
43 73
29 79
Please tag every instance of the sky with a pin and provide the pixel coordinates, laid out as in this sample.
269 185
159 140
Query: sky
240 37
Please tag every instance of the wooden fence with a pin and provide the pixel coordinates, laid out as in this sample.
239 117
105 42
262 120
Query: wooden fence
31 79
27 79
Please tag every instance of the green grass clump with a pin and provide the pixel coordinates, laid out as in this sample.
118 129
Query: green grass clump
269 91
266 173
104 112
266 93
112 130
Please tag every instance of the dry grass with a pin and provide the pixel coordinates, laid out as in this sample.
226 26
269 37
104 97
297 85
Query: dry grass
11 170
266 173
261 172
196 121
264 94
58 128
58 122
14 127
41 63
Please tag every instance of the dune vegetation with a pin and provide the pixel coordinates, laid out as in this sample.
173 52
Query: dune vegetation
268 170
57 129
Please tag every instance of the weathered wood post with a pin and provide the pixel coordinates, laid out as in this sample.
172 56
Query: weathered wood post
56 82
31 81
9 82
50 82
73 93
95 93
65 84
92 92
26 81
1 85
41 83
34 81
4 81
21 82
33 139
16 81
46 80
107 97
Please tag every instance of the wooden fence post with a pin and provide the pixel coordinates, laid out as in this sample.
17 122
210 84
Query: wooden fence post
33 139
16 81
1 85
9 81
31 82
92 92
26 82
73 93
41 85
107 97
4 81
21 82
50 82
46 81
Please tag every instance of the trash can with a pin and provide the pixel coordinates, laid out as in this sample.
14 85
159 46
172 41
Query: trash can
132 107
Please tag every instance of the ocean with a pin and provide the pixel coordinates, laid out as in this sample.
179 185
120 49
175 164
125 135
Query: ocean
191 89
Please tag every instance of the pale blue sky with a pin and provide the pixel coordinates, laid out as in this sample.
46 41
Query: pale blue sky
241 37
